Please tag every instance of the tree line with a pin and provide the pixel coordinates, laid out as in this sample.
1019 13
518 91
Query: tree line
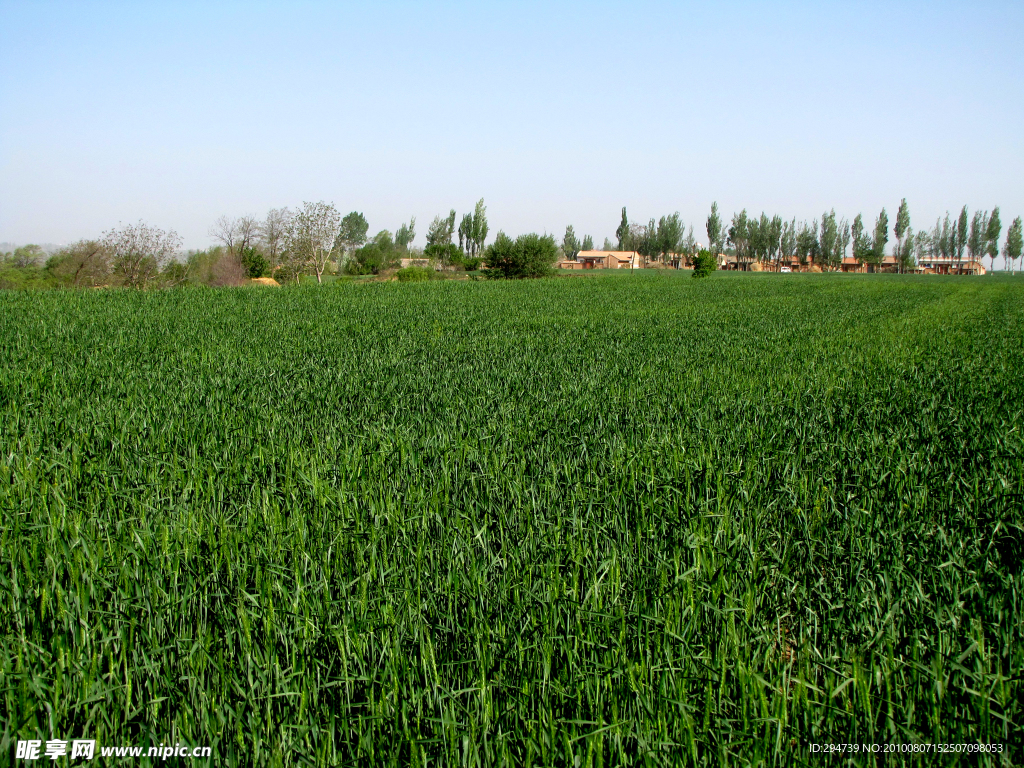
825 242
315 239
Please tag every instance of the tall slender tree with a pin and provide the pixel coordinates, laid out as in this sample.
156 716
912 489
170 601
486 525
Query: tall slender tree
622 232
857 231
405 234
588 243
715 230
880 238
1014 242
829 239
480 227
787 243
900 230
994 228
465 231
977 236
670 234
844 242
570 245
739 236
960 235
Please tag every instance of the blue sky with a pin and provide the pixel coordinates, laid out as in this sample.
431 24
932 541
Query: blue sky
555 113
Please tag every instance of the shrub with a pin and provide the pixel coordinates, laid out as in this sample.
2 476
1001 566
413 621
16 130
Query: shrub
374 257
253 263
448 254
527 256
414 274
704 264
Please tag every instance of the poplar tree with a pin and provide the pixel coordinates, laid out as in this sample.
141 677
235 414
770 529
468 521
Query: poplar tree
960 235
406 234
570 246
880 238
670 234
739 236
829 239
901 229
715 230
480 227
1014 242
858 237
622 233
994 228
588 243
977 237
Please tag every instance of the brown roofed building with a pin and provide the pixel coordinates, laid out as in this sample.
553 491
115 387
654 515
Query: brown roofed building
603 260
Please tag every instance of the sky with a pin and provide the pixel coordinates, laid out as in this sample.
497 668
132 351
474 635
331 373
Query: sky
555 113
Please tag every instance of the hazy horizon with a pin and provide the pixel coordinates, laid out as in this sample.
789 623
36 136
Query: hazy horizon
554 114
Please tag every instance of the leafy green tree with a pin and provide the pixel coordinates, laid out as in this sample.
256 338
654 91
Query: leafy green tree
704 263
715 230
528 255
622 232
880 238
787 243
670 234
1014 242
374 257
441 230
739 236
27 256
570 245
754 238
857 231
479 230
844 241
465 230
253 262
807 246
976 238
901 228
85 263
351 235
405 235
644 239
774 238
994 228
905 250
829 240
588 243
448 254
960 235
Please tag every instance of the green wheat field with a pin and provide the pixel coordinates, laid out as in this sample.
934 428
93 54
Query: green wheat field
596 520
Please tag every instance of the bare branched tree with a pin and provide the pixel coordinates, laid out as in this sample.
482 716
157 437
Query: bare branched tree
236 234
312 235
272 231
223 229
138 252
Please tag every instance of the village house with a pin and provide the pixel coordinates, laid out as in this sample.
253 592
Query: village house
889 264
948 265
603 260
